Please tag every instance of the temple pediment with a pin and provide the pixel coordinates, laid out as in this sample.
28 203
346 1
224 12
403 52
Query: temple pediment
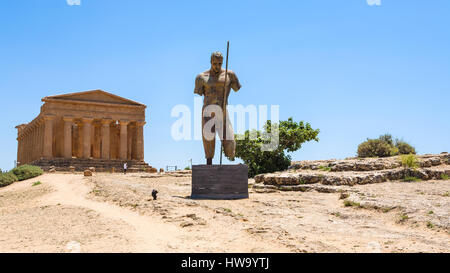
96 96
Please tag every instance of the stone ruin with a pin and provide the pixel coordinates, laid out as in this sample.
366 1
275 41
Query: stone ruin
84 129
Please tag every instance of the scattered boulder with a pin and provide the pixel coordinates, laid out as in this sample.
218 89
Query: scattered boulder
72 169
52 169
161 170
87 173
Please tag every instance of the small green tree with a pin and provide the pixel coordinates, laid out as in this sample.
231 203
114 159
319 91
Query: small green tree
290 138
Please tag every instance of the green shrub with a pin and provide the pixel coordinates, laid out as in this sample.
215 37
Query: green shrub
404 148
375 148
444 176
187 168
324 168
411 179
403 217
349 203
384 146
7 179
409 161
25 172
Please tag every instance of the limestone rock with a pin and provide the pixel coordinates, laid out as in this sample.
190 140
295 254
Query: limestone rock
353 171
87 173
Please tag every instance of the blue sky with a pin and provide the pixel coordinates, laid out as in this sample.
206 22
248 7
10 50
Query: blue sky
352 70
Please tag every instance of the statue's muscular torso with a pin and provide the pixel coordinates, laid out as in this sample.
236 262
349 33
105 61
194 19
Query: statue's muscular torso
210 85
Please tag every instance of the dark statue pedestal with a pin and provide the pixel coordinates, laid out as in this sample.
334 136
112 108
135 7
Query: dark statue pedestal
219 182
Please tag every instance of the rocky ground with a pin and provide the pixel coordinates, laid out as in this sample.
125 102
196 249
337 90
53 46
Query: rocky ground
116 213
356 171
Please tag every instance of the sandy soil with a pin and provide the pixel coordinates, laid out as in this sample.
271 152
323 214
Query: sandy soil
115 213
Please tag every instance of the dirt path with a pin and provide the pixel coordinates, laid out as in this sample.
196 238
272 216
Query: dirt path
121 229
71 190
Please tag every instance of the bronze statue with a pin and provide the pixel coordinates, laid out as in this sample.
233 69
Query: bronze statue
212 84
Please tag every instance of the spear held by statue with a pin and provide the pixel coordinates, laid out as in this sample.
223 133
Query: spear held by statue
224 106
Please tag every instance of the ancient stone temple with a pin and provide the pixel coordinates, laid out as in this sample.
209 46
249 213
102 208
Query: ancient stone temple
84 129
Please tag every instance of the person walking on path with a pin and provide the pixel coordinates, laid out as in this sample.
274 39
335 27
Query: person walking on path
125 166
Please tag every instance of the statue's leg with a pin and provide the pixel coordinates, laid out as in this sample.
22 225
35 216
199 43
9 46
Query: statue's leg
209 145
229 144
229 148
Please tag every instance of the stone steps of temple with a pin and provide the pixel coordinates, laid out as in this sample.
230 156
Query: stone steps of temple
81 164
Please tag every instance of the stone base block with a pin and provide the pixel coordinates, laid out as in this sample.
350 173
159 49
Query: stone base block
219 182
81 164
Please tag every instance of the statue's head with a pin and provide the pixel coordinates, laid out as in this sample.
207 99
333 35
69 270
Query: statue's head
216 61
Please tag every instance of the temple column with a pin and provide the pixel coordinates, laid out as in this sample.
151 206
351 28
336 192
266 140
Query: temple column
19 143
106 138
27 150
87 129
68 122
37 140
41 138
19 150
96 138
30 151
76 140
130 134
48 136
22 150
22 143
133 141
123 139
34 142
25 146
30 146
140 140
